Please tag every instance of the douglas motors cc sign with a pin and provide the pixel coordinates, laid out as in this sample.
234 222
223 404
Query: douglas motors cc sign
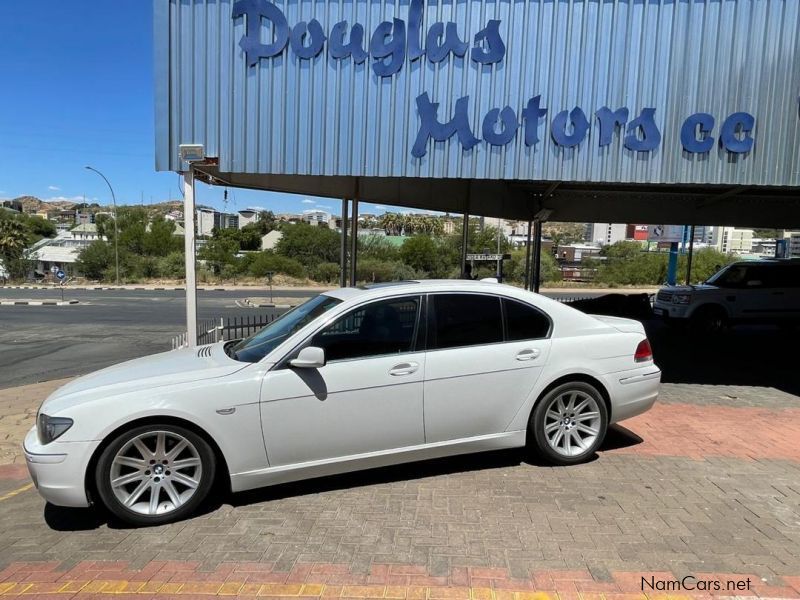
392 43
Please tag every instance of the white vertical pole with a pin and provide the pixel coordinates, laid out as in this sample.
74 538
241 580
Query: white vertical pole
189 240
343 259
354 242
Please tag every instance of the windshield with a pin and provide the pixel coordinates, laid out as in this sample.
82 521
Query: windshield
258 345
730 275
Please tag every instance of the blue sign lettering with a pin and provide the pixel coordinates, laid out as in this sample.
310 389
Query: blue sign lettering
689 140
740 122
389 44
393 42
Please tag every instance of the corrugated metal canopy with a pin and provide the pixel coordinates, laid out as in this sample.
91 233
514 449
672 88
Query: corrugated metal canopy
709 75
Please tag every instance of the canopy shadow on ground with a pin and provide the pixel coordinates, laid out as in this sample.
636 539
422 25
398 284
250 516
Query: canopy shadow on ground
757 356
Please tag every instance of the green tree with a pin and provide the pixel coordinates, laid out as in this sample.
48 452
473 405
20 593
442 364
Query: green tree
260 263
160 239
40 228
423 254
13 239
308 244
95 260
219 252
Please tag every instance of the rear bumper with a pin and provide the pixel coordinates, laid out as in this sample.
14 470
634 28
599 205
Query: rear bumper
633 392
58 470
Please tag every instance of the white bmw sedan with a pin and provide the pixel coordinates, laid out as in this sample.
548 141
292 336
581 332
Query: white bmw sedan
353 379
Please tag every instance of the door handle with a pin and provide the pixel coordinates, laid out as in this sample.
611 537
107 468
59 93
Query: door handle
404 369
529 354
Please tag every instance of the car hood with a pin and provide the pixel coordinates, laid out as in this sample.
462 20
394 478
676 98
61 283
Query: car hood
167 368
686 289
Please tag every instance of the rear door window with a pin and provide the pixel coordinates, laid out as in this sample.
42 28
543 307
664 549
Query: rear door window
458 320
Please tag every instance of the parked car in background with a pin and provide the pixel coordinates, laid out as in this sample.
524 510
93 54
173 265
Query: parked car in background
352 379
759 291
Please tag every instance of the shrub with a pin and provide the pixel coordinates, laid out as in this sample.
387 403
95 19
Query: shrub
325 272
261 262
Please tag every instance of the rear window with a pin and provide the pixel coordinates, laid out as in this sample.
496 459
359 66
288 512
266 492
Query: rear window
464 320
524 322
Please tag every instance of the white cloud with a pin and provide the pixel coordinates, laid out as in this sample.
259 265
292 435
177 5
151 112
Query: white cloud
379 206
53 188
322 206
307 201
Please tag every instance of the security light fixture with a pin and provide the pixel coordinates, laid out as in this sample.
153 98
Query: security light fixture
191 152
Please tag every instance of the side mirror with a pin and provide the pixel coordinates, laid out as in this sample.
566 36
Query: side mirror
310 357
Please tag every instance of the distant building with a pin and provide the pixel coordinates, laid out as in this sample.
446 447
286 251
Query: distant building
226 220
205 221
606 233
636 232
270 240
317 217
732 240
248 216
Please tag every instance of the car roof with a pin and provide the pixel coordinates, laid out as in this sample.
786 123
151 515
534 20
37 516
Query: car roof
422 286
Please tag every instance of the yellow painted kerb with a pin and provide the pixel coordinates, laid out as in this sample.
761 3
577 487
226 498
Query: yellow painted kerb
11 494
307 590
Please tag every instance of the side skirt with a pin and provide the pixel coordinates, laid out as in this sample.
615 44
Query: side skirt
357 462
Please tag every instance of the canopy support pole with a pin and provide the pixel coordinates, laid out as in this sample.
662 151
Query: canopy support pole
527 277
189 257
537 255
354 242
689 257
464 243
343 248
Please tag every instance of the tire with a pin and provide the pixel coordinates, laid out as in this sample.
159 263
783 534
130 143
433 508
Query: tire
150 488
709 320
566 440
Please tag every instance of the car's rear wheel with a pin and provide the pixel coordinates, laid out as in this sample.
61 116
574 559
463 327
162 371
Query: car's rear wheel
155 474
569 423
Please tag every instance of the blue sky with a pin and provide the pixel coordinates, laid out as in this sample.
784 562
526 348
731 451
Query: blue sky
78 90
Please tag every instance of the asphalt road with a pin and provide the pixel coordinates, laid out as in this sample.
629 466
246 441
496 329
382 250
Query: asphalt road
40 343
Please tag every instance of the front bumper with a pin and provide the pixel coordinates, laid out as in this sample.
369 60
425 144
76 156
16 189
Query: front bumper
58 470
668 310
633 392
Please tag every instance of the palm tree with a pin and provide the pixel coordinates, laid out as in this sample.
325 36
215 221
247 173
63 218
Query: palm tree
13 239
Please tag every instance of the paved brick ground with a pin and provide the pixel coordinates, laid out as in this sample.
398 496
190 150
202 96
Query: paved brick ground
706 483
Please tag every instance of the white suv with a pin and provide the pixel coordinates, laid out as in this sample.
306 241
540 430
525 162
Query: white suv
762 291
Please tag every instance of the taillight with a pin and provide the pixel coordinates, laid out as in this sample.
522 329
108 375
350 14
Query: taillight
643 352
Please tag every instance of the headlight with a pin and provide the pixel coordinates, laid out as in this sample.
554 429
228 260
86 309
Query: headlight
681 298
51 428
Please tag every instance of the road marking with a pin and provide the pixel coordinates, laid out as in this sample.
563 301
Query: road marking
10 495
231 588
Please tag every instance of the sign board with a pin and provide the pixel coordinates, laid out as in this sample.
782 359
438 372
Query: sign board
60 274
489 257
665 233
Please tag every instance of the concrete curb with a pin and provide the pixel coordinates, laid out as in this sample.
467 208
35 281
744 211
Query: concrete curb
123 289
37 302
249 302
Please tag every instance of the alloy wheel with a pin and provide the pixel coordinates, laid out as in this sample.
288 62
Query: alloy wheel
156 472
572 423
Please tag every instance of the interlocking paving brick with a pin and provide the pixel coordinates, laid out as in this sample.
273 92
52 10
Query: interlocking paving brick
712 486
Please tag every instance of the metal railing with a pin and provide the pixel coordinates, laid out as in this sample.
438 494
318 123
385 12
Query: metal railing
210 331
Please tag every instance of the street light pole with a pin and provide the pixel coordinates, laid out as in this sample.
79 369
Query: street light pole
116 232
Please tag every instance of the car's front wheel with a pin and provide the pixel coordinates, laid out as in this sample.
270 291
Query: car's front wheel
569 423
155 474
